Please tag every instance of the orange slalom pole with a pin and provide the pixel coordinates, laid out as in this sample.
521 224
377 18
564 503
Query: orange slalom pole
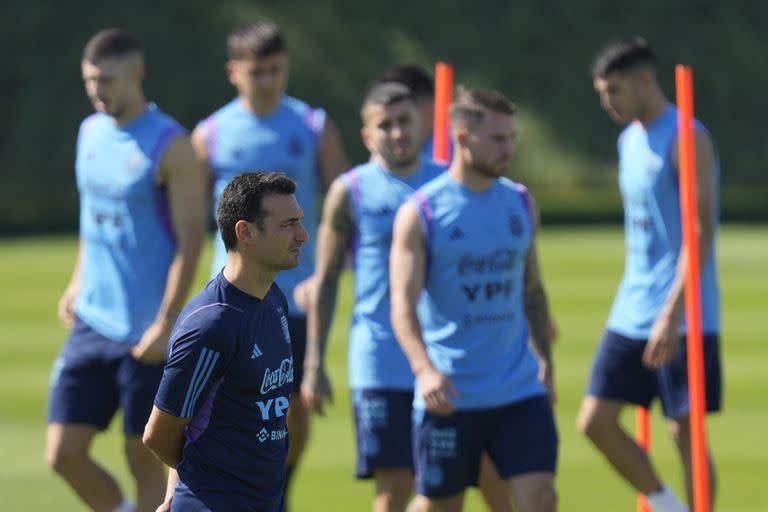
689 209
443 91
643 435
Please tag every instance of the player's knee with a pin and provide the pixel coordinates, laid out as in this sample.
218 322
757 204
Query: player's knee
680 434
588 424
393 488
543 498
64 459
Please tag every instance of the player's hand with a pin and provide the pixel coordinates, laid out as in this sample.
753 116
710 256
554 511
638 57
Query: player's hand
664 341
153 345
547 377
437 391
302 293
552 331
66 308
165 506
316 390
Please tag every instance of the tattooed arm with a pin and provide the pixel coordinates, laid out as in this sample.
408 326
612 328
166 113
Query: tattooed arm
537 311
333 237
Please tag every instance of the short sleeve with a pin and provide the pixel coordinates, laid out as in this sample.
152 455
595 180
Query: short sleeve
197 360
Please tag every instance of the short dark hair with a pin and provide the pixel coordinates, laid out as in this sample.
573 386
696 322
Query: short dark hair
262 38
470 105
111 42
413 76
242 199
386 94
622 55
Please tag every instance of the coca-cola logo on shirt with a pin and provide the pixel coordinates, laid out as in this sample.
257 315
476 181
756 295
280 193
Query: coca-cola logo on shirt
278 377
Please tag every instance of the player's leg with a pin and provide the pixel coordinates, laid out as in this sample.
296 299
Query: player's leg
599 421
447 453
533 492
681 434
393 489
137 384
494 490
67 453
298 415
618 377
673 391
523 447
383 421
82 401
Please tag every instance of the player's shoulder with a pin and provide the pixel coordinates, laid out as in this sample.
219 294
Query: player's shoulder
360 170
633 129
311 117
209 310
93 122
513 187
440 184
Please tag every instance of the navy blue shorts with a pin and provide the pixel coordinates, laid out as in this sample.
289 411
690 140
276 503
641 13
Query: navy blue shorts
520 438
297 327
184 500
93 376
383 429
618 374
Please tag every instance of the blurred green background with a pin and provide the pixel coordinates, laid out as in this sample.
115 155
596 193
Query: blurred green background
536 51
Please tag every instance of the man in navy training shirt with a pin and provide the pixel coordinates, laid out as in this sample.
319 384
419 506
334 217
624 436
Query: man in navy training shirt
219 419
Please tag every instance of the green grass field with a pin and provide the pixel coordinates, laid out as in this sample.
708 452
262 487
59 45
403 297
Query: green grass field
581 268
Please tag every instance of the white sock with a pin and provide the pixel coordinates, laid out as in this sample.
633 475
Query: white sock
125 506
665 501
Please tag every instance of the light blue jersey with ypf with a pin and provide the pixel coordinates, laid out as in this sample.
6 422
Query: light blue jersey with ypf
653 232
125 229
471 309
376 361
287 140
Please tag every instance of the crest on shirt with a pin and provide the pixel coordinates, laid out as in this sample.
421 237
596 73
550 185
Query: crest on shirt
295 146
515 225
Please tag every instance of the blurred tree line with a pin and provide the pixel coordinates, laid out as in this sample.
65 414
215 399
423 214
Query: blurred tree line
536 51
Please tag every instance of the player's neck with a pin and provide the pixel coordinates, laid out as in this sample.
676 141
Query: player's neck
656 106
470 178
401 170
261 108
251 279
132 111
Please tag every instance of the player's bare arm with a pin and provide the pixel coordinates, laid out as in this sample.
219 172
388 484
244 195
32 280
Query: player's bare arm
537 311
164 436
66 306
407 270
664 340
332 160
170 488
333 238
183 176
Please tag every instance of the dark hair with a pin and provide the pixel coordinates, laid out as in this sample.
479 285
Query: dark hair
470 105
386 94
110 42
242 199
413 76
262 38
622 55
